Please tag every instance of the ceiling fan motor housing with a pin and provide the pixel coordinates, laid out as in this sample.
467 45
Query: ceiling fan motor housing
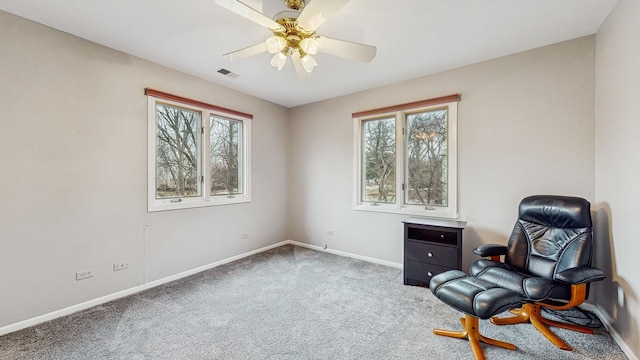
294 4
293 34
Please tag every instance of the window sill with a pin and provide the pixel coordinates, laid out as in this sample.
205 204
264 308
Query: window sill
195 203
392 209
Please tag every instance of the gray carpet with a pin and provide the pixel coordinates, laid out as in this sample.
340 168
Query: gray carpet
286 303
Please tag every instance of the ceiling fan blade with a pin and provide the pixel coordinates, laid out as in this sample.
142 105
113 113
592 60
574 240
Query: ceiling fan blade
249 13
346 49
297 64
317 12
247 52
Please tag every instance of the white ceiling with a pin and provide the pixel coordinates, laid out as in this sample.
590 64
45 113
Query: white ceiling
413 37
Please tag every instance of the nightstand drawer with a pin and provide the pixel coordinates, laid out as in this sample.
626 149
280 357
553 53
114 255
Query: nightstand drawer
437 236
431 254
417 273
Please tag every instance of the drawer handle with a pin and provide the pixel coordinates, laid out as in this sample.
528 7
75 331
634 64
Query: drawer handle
430 274
430 254
441 236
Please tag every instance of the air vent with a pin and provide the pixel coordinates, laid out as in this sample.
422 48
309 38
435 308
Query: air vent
228 73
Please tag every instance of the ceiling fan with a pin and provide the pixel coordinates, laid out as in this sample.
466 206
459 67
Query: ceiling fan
294 34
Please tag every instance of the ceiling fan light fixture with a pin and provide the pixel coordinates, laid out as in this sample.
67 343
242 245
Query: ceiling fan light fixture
309 45
294 34
278 60
276 44
308 63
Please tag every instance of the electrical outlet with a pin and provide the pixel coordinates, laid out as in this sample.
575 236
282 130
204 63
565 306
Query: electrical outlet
244 236
120 266
84 274
329 232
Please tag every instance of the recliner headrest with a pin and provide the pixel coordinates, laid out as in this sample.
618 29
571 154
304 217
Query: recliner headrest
556 211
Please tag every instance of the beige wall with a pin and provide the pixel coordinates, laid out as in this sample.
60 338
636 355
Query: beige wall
526 126
618 170
73 151
73 154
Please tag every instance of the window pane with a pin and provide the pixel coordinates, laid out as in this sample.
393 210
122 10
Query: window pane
177 155
379 160
427 158
226 156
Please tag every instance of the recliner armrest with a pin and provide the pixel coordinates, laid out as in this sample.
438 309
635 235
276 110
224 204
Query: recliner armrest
580 275
490 250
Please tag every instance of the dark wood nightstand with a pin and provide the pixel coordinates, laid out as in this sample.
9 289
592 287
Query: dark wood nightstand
431 246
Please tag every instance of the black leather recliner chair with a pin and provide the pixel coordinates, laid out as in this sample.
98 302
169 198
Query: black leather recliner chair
547 261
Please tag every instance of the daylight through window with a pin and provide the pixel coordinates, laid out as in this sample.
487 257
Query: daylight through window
180 174
406 159
177 152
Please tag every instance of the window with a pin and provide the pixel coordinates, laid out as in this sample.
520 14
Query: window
198 154
225 138
379 160
406 158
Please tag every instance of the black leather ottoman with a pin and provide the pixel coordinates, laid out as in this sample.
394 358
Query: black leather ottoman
477 299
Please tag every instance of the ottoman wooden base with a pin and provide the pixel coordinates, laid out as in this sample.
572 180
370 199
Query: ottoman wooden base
470 331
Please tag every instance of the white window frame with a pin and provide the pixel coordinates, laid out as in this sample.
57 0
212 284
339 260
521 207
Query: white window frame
205 199
399 207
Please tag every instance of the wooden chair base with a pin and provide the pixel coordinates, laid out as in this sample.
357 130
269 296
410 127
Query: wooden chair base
470 331
531 313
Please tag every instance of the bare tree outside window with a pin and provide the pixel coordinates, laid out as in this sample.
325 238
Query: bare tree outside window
379 160
427 158
198 154
406 158
177 144
225 156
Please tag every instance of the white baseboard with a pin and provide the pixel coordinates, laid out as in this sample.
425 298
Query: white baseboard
346 254
604 319
120 294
